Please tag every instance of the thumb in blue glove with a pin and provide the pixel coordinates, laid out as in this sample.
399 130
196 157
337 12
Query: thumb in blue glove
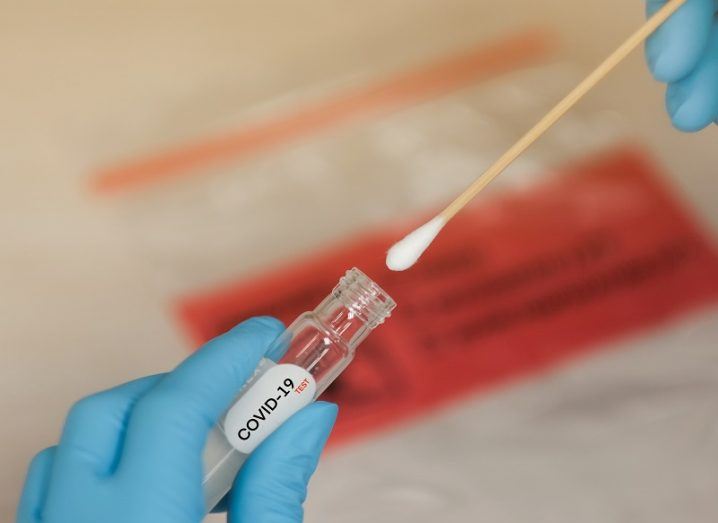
683 53
134 453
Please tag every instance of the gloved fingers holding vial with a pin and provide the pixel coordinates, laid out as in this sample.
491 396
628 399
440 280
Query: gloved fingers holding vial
683 53
234 426
135 452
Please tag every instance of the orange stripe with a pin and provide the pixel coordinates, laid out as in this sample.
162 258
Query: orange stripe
421 84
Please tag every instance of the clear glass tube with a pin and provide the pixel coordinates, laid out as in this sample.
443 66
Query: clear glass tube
314 350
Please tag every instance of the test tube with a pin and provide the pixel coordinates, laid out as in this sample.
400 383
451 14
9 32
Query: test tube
301 363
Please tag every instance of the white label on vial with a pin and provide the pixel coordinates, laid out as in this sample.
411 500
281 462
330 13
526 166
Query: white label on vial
270 401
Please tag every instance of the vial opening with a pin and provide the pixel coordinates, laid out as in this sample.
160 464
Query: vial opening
364 298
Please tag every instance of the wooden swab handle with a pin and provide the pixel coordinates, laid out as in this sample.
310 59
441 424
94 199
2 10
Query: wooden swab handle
562 107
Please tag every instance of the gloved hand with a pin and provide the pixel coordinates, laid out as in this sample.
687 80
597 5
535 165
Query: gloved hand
684 54
134 453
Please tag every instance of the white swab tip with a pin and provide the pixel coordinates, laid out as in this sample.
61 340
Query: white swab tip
407 251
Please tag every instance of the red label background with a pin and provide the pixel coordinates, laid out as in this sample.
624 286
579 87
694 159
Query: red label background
512 287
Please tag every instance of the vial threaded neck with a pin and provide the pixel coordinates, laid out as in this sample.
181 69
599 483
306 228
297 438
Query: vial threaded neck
364 298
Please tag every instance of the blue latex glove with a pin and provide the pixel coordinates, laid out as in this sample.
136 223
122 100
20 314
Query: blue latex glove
134 453
684 54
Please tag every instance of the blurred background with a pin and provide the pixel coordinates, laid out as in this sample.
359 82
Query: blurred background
169 168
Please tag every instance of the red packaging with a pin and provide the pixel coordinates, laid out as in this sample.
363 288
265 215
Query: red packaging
512 287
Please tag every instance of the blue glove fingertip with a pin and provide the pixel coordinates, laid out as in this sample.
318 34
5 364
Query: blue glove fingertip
36 487
323 415
675 48
690 118
693 101
275 477
261 322
676 97
262 328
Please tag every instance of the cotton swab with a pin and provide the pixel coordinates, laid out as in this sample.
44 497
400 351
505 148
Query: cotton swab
406 252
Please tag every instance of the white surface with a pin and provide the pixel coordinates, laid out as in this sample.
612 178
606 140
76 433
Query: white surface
628 435
407 251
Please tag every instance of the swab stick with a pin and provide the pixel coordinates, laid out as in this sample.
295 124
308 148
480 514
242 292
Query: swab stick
406 252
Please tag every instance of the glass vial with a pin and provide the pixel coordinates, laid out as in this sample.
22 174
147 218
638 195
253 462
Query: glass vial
301 363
